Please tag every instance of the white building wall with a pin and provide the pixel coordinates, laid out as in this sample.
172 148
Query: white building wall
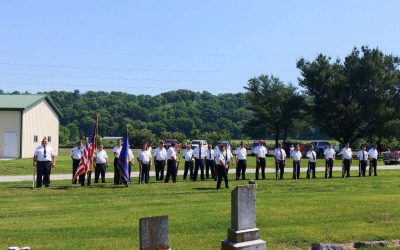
10 122
39 121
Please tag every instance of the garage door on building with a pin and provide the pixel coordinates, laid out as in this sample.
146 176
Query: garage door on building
10 145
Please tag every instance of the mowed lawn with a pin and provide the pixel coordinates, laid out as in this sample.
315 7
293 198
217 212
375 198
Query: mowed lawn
64 164
290 214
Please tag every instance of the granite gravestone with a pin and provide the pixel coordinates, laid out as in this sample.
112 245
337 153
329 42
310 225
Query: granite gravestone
243 233
154 233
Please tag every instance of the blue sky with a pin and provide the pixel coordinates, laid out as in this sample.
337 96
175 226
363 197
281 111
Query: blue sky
149 47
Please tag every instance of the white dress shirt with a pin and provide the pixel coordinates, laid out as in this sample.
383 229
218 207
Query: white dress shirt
171 154
291 152
130 155
187 154
76 153
280 154
347 154
228 155
312 156
196 152
241 153
362 155
373 153
329 153
297 155
210 154
101 156
220 157
117 150
39 153
160 154
260 151
144 156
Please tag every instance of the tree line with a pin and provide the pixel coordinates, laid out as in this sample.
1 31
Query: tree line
354 100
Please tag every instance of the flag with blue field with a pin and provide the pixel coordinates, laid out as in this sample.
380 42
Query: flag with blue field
123 161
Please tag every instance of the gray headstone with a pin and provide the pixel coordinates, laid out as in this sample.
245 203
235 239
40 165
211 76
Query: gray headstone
243 207
327 246
370 244
154 233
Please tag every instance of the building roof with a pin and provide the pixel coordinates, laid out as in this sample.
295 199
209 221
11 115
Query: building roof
25 102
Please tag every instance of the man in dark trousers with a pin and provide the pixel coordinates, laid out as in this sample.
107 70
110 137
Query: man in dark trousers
171 164
260 151
188 156
280 160
210 164
241 165
221 167
373 157
199 154
363 160
117 150
347 156
329 154
44 159
312 159
76 154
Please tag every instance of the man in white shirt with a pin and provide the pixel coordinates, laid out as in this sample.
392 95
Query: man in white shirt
210 164
329 154
160 159
101 160
221 167
228 158
76 154
144 158
296 162
373 157
188 156
312 159
260 151
347 156
280 160
199 154
171 164
44 159
116 151
362 161
241 165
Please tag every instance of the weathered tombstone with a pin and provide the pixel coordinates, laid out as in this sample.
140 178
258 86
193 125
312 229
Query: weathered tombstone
243 233
327 246
154 233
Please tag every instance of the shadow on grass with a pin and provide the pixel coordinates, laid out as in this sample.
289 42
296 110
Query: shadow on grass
205 188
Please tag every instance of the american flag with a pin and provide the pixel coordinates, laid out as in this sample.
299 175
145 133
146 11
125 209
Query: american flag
86 163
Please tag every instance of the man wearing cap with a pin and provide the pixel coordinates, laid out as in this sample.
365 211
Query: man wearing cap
260 151
44 159
101 160
280 160
241 165
160 158
373 157
76 154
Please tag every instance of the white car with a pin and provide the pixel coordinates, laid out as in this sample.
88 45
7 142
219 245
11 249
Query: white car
195 144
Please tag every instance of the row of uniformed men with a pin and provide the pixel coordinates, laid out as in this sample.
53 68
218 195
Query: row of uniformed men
200 158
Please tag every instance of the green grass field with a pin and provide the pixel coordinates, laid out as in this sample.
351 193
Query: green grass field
290 214
64 164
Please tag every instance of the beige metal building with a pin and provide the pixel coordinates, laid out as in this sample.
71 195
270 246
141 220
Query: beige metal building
24 121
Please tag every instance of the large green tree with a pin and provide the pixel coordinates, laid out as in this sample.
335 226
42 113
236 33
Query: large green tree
354 98
275 106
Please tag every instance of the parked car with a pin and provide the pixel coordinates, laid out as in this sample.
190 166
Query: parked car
255 144
195 143
391 157
168 142
286 146
225 143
